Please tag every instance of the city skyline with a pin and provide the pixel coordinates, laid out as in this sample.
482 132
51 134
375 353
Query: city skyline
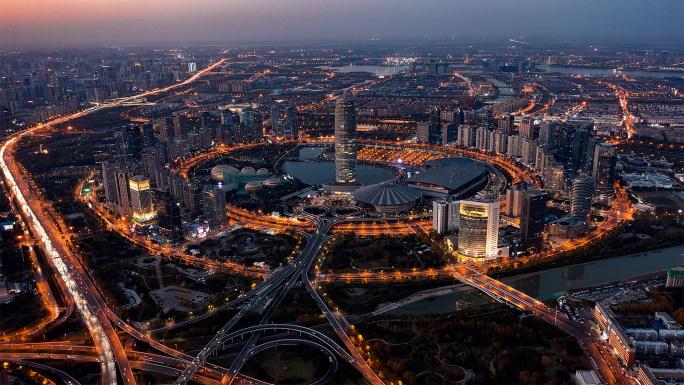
36 24
384 192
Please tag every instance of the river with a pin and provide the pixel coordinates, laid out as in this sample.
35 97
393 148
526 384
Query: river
604 72
378 70
555 282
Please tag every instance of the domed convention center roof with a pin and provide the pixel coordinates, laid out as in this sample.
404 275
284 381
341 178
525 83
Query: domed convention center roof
262 171
217 171
248 170
386 194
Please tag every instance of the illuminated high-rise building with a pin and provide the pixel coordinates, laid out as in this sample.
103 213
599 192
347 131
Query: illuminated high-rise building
527 128
141 200
291 126
581 195
123 192
532 217
345 141
180 125
109 168
168 215
604 167
214 202
478 234
275 117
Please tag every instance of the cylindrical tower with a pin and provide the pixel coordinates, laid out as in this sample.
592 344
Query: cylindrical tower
582 192
345 141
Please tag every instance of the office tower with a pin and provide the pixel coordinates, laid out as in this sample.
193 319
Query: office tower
109 168
449 133
423 132
168 215
345 140
257 132
532 217
481 138
165 128
604 168
466 136
141 200
123 191
478 234
180 124
547 135
440 215
291 125
192 196
275 118
214 202
581 195
148 138
514 146
591 151
527 127
579 148
505 124
247 122
500 142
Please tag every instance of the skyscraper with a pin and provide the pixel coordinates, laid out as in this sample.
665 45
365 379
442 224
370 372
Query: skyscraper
275 117
247 122
581 195
109 168
440 215
423 132
168 215
505 124
547 135
532 217
445 216
449 133
478 229
123 191
291 126
527 128
482 138
604 168
192 196
141 200
214 202
180 125
345 141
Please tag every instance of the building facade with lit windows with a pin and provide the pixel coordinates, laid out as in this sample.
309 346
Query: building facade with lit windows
478 229
345 141
617 338
141 200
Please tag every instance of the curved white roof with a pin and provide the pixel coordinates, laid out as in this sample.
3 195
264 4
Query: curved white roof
386 194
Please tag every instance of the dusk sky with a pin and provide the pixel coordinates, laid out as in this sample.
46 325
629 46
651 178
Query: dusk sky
41 23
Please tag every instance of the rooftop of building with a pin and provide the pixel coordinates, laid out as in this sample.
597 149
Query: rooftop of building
386 194
449 173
